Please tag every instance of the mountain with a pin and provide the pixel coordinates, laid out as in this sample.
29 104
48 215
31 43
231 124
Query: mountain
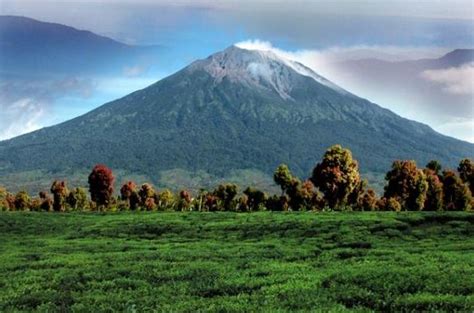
234 113
28 46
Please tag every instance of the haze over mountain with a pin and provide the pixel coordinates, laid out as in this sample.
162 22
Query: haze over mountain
442 88
50 72
234 114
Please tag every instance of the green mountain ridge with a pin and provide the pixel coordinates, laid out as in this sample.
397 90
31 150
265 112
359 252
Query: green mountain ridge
237 110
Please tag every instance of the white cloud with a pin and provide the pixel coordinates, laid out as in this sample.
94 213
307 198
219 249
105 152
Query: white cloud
460 127
22 116
132 71
338 54
455 80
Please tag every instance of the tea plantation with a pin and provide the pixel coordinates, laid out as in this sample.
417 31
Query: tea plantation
236 262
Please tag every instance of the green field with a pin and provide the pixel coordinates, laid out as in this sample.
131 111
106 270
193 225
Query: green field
231 262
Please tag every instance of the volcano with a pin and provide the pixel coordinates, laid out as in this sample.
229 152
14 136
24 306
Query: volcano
234 113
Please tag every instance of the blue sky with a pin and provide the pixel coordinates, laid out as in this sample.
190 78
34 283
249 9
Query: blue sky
188 30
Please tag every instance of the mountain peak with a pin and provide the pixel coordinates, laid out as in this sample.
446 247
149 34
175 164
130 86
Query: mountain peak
264 69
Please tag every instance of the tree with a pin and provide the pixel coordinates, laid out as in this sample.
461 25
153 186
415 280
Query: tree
336 176
407 184
22 201
357 193
101 185
77 199
435 166
434 193
299 195
46 201
165 199
129 194
255 198
3 199
60 192
456 194
243 204
283 178
368 201
389 204
277 203
226 193
147 192
150 204
185 200
466 173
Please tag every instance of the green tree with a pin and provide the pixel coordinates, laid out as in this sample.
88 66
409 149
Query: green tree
226 194
166 200
407 184
283 178
277 203
77 199
435 166
255 198
336 176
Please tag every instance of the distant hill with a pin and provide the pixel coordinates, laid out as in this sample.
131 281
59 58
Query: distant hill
235 113
28 46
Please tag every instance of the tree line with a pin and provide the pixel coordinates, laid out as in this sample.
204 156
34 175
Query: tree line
335 184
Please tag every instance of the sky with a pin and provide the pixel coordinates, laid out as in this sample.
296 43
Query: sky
316 33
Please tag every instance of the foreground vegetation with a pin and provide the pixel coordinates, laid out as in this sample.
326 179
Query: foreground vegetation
229 262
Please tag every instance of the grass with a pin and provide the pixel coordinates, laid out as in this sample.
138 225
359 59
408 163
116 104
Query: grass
228 262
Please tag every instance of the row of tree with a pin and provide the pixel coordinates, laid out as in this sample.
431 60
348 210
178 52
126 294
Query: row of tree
335 184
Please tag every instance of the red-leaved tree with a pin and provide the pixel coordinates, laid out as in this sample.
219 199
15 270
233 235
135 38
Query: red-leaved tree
101 185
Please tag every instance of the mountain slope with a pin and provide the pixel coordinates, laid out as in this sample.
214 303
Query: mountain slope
235 110
29 46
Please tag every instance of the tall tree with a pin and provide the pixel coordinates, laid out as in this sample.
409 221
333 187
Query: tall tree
407 184
336 176
101 185
60 192
283 178
147 192
128 193
434 193
466 173
457 195
185 200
